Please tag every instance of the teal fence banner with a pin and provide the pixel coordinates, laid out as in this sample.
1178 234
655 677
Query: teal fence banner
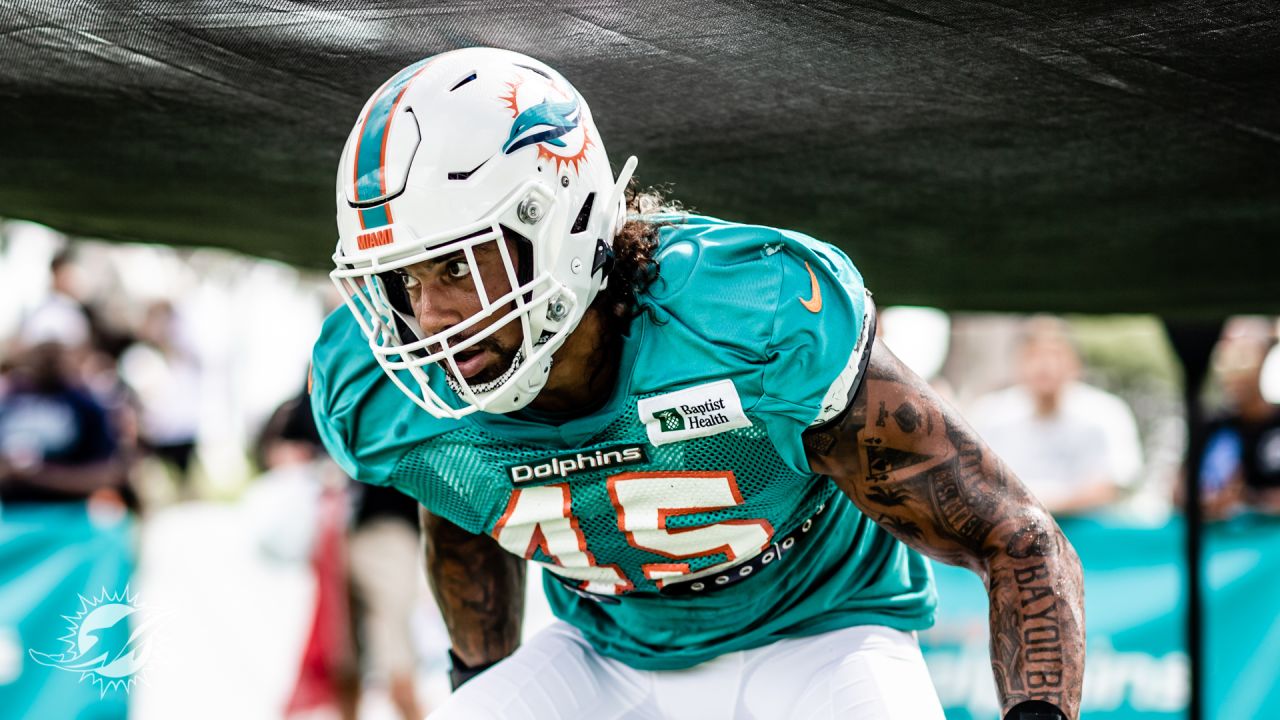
68 648
1135 610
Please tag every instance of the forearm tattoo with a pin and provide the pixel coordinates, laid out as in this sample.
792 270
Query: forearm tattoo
479 588
911 464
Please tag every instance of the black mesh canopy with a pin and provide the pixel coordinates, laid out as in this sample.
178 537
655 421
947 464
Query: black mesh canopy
1092 156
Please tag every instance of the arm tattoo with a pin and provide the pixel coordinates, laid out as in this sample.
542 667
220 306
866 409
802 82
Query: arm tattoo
479 588
911 464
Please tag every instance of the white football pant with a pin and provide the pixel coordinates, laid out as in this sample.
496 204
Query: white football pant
867 672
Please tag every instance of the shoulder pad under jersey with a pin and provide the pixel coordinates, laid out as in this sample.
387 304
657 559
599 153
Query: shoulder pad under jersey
776 311
366 422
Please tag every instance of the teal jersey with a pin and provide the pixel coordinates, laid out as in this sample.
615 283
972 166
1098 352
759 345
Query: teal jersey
691 472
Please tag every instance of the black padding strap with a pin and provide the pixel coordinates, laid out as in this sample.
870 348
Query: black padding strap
604 258
460 672
869 332
1035 710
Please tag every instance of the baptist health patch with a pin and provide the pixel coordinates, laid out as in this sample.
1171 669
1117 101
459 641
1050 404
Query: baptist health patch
694 412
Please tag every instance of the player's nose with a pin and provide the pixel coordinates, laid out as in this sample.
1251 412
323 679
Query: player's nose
438 309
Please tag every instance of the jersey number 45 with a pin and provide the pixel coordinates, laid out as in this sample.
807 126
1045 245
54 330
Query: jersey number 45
541 518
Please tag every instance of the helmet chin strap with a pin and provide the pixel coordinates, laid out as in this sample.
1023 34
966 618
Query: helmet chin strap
460 387
526 390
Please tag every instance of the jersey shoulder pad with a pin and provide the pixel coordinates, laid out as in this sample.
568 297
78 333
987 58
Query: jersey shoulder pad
823 328
366 422
714 290
776 311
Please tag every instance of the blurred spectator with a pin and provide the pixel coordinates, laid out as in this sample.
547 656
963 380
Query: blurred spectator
56 443
299 509
166 378
1075 446
384 565
101 373
386 568
1241 460
282 503
69 290
60 317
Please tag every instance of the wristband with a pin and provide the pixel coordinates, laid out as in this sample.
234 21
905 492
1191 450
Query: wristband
460 672
1035 710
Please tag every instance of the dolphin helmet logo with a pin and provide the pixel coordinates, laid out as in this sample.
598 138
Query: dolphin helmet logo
542 123
549 117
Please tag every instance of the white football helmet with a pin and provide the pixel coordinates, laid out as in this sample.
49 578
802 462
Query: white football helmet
454 152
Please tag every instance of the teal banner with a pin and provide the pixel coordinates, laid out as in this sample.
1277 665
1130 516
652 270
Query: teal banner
1135 608
68 650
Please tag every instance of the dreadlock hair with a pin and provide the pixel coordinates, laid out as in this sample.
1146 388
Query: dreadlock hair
634 265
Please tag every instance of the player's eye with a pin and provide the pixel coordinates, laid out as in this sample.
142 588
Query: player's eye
410 282
458 269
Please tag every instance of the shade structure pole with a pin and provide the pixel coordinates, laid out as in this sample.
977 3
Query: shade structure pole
1193 341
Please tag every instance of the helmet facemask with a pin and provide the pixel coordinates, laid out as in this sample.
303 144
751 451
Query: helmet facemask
506 294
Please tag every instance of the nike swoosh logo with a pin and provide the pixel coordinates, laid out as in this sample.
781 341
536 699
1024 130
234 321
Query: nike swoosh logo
814 303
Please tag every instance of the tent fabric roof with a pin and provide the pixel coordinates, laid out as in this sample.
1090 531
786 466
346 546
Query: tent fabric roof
1090 156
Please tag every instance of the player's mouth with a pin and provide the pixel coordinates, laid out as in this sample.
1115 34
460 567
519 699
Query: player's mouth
471 362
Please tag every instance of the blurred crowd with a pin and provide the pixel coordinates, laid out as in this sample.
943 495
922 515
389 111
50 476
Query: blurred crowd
105 395
82 400
103 400
1239 467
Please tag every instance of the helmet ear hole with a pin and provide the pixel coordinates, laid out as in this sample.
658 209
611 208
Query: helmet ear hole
398 296
524 257
584 215
393 287
407 335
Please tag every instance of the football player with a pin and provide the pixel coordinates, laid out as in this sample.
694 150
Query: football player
686 421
